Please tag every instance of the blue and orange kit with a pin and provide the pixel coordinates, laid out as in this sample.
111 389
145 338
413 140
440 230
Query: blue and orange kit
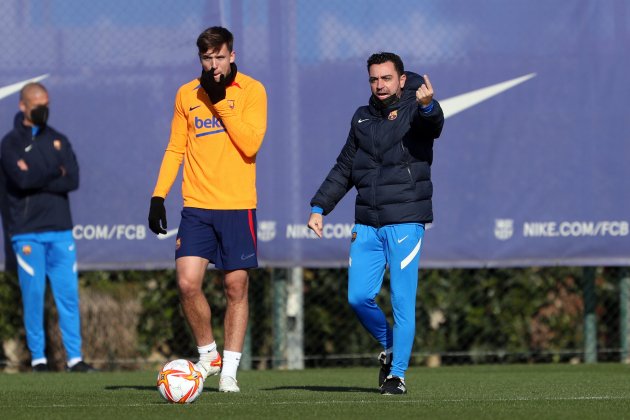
218 145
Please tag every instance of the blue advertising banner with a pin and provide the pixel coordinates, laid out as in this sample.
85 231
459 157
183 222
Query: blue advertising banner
531 167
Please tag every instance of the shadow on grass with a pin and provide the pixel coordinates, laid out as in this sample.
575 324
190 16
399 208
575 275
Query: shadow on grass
324 389
134 387
146 388
277 388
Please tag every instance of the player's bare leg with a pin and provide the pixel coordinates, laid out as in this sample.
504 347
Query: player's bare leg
237 312
190 274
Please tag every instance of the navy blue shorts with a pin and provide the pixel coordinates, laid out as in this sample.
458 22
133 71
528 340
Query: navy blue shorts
226 238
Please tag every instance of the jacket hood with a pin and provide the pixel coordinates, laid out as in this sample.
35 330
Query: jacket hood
18 120
414 81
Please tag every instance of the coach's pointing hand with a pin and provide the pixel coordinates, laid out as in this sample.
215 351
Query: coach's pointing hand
157 216
214 89
316 223
424 94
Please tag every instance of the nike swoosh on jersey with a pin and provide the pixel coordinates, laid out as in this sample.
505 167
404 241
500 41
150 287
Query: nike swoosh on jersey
193 107
459 103
402 239
168 234
363 120
15 87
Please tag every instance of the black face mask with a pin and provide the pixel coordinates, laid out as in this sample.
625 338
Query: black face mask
39 115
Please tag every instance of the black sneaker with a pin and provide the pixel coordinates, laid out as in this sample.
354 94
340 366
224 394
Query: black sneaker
383 373
394 386
81 367
41 367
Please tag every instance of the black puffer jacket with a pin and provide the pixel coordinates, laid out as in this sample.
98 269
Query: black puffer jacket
387 157
38 197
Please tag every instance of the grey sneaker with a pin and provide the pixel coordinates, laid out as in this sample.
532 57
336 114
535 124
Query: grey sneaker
394 386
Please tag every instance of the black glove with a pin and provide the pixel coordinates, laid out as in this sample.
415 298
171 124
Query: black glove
215 90
157 215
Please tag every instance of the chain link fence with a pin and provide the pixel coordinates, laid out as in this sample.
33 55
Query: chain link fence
131 319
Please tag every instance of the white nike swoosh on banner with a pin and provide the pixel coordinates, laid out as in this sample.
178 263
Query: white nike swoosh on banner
459 103
15 87
168 234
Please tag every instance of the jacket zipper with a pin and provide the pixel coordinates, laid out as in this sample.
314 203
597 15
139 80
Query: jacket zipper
27 199
378 173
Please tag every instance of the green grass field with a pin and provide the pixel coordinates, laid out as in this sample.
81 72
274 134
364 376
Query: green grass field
538 392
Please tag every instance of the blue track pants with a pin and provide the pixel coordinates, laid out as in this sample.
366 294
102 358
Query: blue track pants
52 255
398 246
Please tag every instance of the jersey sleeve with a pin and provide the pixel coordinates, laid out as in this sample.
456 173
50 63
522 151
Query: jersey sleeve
174 154
247 130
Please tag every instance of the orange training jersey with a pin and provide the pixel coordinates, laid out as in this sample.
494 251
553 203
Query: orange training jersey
218 144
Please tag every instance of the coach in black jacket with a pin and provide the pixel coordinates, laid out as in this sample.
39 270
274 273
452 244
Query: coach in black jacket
387 158
39 170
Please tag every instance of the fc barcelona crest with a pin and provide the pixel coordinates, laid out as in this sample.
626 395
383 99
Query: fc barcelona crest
230 103
57 144
392 115
26 250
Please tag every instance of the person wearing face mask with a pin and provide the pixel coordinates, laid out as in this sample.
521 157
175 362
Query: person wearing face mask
218 127
40 169
387 157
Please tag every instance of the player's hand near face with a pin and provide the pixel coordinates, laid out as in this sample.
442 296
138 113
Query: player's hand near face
316 223
424 94
214 89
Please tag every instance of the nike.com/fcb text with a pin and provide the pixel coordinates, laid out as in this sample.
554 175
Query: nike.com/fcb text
576 228
109 232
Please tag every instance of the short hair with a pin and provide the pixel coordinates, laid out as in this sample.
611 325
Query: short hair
31 86
213 38
384 57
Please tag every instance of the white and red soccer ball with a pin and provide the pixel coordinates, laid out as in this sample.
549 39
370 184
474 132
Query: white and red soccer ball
180 382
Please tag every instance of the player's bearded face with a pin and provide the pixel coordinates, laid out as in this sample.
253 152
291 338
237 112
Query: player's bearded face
385 81
219 60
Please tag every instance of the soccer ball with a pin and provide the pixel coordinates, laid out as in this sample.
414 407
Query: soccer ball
180 382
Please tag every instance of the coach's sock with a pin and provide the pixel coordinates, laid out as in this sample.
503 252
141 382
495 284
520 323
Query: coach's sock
40 361
72 362
231 360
